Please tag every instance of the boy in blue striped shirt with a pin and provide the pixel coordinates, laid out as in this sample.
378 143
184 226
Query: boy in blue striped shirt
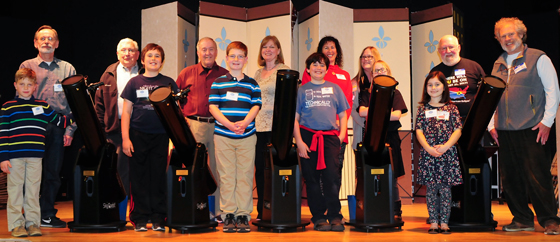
235 100
23 126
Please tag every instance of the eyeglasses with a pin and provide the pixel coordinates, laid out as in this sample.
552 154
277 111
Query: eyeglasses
380 70
43 39
367 57
450 48
238 57
132 51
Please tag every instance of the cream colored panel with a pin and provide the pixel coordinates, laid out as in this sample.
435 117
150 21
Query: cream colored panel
308 39
159 25
337 21
224 31
392 41
186 45
425 38
258 29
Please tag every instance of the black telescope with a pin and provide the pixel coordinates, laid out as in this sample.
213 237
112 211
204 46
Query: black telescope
97 185
374 168
189 181
471 208
282 177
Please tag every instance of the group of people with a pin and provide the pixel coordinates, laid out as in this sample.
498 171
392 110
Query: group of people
231 114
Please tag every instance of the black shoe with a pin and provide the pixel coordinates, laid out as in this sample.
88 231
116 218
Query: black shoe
336 225
243 224
141 227
433 231
158 227
322 225
53 222
229 223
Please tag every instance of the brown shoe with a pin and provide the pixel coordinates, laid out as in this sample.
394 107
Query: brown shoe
551 228
19 231
34 230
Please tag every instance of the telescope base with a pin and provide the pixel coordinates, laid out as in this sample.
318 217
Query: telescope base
117 225
368 226
454 226
279 226
191 227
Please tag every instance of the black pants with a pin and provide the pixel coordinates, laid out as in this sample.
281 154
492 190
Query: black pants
263 138
147 177
525 172
52 165
319 202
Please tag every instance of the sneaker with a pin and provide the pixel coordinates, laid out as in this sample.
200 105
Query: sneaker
34 230
229 223
551 228
141 227
219 219
321 225
157 227
243 224
336 225
515 227
19 231
52 222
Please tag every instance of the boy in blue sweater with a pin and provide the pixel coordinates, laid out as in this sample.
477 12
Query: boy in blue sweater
23 127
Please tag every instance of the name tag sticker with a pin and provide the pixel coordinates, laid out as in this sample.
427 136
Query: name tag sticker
340 76
431 113
37 110
232 96
142 93
520 68
460 72
327 90
443 115
58 87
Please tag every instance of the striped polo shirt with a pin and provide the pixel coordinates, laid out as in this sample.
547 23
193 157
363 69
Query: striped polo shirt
235 98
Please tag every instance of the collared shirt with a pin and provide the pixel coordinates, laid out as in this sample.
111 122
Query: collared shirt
47 77
200 82
123 76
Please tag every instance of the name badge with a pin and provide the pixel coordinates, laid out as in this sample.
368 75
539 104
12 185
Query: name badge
232 96
37 110
327 90
142 93
431 113
340 76
520 68
460 72
58 87
443 115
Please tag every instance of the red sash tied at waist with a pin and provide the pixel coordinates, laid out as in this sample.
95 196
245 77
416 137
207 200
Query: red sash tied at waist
318 136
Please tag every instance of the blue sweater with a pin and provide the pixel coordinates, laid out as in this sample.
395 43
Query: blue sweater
23 125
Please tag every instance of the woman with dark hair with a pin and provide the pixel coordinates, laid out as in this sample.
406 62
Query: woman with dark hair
330 47
271 60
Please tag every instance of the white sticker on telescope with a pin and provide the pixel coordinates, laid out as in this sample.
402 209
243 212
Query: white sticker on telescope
37 110
142 93
326 90
431 113
58 87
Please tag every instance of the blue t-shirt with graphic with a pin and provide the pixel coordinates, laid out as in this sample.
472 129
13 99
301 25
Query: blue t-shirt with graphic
318 105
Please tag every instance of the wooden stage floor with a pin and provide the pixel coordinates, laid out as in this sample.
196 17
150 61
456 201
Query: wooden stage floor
414 229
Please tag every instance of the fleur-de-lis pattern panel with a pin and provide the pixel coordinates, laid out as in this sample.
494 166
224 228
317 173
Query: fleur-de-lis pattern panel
431 44
381 41
309 40
222 41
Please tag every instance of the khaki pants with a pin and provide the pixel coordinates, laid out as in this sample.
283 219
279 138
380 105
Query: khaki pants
235 159
204 133
24 171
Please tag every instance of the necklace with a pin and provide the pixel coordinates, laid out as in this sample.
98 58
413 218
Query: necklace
266 69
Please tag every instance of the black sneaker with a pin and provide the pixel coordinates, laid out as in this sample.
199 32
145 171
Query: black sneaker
53 222
229 223
140 227
243 224
322 225
158 227
336 225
